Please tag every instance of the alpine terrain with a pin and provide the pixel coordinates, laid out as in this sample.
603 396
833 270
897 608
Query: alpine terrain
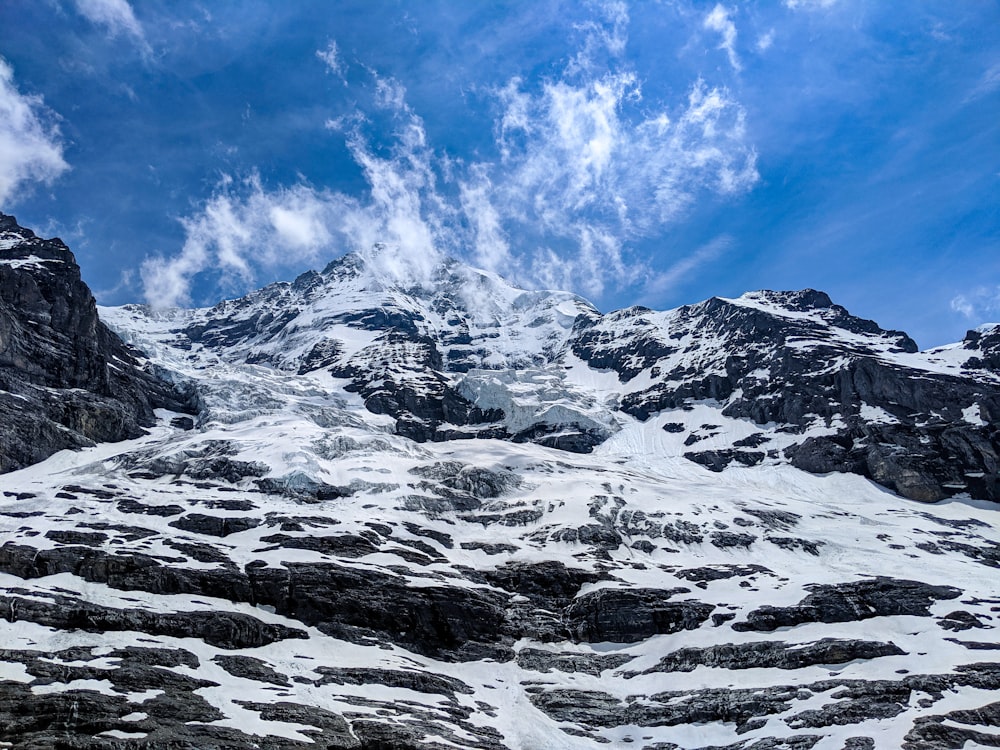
351 511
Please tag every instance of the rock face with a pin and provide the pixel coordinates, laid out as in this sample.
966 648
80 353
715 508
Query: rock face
920 424
66 381
381 532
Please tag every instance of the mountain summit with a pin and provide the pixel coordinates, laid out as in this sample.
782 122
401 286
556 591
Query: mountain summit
363 511
789 376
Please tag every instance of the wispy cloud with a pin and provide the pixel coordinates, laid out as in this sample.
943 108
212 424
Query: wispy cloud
245 228
662 283
978 304
584 166
809 4
31 147
718 20
117 17
988 83
240 228
330 55
604 35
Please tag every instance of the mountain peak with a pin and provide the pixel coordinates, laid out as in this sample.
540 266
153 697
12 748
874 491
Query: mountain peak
19 245
800 300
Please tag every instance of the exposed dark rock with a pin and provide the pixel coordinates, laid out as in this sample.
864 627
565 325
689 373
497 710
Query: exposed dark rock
421 682
538 660
68 536
853 702
548 583
66 381
219 526
342 545
919 458
847 602
719 572
128 572
774 654
301 487
572 437
128 505
774 519
603 536
720 459
73 719
357 605
200 552
630 615
479 482
961 620
250 668
440 537
725 539
491 548
953 730
323 354
794 543
223 629
212 460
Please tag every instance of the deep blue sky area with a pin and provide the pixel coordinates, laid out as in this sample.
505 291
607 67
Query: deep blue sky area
653 153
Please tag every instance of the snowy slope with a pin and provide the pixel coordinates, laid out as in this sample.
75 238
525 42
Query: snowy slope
469 516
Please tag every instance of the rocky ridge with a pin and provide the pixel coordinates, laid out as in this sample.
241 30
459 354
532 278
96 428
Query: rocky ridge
66 381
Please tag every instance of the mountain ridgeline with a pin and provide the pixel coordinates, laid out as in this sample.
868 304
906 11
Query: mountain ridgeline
457 356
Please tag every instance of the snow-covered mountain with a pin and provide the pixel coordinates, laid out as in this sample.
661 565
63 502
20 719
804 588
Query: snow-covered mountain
445 512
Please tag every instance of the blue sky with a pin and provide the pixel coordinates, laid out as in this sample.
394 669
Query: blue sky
651 153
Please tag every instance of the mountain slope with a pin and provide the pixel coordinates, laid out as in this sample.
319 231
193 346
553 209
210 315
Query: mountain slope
460 515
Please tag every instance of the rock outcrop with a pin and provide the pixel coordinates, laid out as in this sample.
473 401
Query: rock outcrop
66 381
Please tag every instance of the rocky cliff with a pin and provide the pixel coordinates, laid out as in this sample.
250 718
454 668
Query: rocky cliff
66 381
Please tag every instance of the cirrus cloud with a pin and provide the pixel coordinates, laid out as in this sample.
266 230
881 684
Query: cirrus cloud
117 17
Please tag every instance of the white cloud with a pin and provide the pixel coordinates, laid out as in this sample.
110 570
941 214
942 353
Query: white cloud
988 82
660 284
390 94
31 148
764 41
401 229
588 166
491 247
242 227
116 16
608 33
809 4
978 304
578 168
334 63
961 304
718 20
585 167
